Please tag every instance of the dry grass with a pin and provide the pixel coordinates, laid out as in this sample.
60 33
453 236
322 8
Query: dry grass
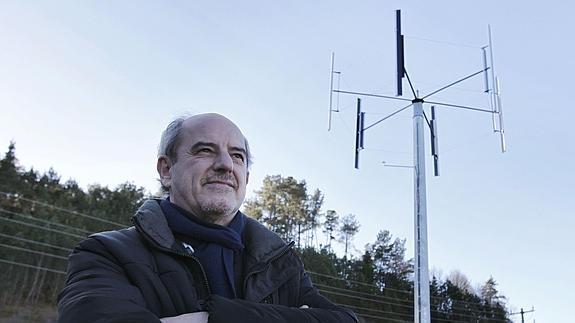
29 314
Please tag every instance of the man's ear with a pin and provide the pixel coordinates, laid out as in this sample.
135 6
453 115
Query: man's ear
163 166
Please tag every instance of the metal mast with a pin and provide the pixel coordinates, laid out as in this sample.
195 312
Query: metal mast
422 306
422 311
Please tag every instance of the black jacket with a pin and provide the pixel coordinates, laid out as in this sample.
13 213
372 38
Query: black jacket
142 273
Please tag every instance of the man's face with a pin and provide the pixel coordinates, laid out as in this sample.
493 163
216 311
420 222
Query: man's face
210 174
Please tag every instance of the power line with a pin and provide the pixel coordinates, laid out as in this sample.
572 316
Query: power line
364 293
385 318
18 196
32 267
379 311
382 318
33 251
363 298
374 310
35 242
27 216
410 307
41 228
386 288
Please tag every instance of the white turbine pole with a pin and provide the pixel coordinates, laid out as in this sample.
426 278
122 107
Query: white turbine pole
421 282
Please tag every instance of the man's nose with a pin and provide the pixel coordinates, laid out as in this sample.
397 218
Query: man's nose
224 162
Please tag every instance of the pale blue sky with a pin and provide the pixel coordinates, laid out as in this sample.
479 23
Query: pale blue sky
87 86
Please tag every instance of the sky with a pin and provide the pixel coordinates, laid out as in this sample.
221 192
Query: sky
86 87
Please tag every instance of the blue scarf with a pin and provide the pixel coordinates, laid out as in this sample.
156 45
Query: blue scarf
213 244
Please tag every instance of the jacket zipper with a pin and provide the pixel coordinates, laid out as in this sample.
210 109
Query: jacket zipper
287 248
143 232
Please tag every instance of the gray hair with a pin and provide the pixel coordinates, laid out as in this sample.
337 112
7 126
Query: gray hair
171 140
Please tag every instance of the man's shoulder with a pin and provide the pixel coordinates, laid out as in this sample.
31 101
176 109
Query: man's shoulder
261 243
120 236
112 241
122 241
254 232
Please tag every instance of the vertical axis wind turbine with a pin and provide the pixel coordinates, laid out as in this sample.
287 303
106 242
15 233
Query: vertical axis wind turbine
421 280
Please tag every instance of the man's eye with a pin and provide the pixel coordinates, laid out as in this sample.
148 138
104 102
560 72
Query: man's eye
238 156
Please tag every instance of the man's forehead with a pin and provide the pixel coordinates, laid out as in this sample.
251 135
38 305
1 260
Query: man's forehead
213 129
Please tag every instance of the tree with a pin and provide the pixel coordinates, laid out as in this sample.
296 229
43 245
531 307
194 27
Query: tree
489 292
42 219
38 201
282 204
459 279
314 205
388 255
349 227
329 226
9 169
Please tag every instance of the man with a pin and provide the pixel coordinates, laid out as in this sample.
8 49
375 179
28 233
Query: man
193 257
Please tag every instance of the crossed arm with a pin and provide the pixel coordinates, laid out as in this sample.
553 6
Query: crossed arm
98 290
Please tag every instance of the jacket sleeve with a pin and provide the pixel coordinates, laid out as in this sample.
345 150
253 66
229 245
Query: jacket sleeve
97 290
241 311
320 309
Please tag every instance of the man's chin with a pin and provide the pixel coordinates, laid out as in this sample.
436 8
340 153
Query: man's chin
217 210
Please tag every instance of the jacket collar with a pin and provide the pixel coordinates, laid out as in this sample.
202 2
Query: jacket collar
261 244
150 221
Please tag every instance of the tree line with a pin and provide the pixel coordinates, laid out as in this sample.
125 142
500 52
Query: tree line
42 218
378 285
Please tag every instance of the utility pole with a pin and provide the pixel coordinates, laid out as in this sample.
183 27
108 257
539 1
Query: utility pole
522 312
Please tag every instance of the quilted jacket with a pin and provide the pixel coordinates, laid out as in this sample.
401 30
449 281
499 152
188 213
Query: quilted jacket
143 273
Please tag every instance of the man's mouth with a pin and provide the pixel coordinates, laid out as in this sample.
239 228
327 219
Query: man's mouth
220 181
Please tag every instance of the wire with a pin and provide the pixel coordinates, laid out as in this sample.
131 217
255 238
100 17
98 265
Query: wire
426 85
35 242
456 82
27 216
443 42
18 196
33 267
386 288
372 95
384 312
374 310
388 116
411 307
33 251
41 228
366 294
406 306
382 318
363 298
460 106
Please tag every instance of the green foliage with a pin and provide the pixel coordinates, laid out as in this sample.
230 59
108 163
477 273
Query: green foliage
329 226
42 219
378 285
285 207
348 229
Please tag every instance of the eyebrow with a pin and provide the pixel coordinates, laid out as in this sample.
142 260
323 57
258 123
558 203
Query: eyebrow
214 146
202 144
